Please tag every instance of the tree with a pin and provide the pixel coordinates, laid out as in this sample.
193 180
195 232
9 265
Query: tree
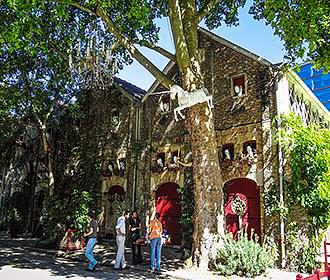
36 83
126 24
303 25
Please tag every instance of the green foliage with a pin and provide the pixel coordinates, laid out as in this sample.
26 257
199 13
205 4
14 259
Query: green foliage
14 223
300 250
308 153
71 212
243 257
272 202
303 25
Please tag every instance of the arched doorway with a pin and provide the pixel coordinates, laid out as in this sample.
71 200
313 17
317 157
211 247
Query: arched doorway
244 192
115 198
168 204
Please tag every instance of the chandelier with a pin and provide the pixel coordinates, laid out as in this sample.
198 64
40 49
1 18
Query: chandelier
93 64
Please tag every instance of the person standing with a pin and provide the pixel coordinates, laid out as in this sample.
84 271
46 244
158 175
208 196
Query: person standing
92 238
155 229
134 228
120 239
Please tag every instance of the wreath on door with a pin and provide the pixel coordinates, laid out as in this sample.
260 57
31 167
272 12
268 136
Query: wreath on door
238 206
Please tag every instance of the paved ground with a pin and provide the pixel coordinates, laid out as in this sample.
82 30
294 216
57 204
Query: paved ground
20 259
17 263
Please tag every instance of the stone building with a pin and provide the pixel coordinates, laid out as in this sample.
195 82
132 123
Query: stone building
248 92
145 153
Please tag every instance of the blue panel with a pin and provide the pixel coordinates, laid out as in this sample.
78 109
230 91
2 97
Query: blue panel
320 80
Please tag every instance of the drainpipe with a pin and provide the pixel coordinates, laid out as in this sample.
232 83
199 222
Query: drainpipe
136 139
282 88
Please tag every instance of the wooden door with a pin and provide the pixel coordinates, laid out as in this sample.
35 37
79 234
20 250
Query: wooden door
168 204
246 190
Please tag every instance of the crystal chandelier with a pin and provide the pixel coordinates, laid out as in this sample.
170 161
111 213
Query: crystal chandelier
94 65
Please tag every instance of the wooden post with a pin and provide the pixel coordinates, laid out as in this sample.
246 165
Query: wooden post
68 240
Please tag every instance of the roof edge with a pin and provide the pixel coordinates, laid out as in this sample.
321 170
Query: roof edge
235 47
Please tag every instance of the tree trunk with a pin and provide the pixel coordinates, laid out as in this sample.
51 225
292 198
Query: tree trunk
208 217
49 160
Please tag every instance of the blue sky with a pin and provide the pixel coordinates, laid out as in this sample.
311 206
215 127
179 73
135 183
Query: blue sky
252 35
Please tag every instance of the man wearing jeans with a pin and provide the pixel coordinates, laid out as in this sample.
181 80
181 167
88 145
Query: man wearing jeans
92 235
120 239
156 230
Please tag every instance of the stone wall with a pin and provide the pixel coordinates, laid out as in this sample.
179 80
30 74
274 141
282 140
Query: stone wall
239 120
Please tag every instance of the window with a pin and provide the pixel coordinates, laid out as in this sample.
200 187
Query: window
160 161
249 146
238 85
165 103
228 152
175 156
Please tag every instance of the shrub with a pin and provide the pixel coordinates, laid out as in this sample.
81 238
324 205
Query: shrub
60 215
243 257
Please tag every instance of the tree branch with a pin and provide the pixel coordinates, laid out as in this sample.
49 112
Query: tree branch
206 9
162 51
182 53
124 41
80 7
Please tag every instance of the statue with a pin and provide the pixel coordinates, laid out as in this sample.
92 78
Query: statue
186 100
251 155
121 165
160 163
227 155
110 168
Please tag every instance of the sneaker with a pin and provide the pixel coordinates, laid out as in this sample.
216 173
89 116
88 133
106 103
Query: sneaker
90 270
95 266
157 271
117 268
126 267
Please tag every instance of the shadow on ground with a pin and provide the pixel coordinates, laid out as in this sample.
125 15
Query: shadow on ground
21 253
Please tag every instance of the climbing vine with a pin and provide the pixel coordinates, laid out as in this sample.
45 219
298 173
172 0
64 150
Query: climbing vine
307 151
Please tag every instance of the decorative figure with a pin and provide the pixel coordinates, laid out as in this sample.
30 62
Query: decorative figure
110 168
238 207
227 155
249 152
238 90
121 166
164 103
251 155
160 163
186 160
186 100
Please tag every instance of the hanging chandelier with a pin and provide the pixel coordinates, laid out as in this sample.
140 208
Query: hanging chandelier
93 64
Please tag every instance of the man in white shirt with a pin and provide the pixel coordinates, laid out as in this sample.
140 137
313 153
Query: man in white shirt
120 239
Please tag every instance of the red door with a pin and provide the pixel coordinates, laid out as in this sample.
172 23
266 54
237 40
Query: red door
247 191
168 205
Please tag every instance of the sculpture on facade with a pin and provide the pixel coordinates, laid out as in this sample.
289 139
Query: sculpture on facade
186 161
160 163
227 155
251 155
186 100
111 169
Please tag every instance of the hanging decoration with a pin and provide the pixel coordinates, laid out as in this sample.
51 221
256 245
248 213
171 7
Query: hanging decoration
186 100
93 63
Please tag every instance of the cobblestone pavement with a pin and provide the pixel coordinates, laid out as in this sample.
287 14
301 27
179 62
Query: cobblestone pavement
17 263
